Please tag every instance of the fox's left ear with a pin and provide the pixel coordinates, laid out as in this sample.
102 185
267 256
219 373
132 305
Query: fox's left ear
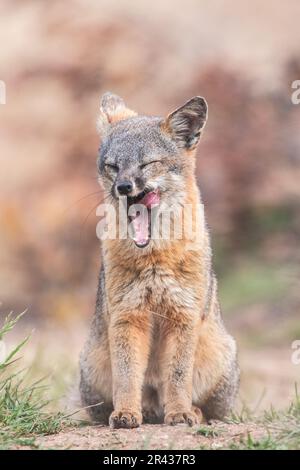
112 109
186 123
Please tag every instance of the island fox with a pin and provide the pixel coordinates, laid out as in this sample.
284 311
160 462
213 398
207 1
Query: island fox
157 350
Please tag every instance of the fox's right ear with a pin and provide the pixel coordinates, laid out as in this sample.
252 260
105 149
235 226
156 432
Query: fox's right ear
112 109
186 123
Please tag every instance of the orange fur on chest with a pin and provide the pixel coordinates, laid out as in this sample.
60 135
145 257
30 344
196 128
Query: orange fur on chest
167 281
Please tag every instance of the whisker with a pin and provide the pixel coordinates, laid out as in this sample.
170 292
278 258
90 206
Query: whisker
81 199
86 218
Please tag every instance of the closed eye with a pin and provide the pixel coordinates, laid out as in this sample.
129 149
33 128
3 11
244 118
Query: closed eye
110 166
149 163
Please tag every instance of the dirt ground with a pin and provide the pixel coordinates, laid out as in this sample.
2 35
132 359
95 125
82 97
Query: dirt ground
268 378
179 437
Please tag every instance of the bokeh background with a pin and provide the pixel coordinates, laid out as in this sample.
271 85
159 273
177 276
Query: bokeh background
56 59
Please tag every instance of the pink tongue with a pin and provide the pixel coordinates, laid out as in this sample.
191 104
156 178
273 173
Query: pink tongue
151 199
140 225
141 221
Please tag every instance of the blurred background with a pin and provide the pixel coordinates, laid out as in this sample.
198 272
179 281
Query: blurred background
56 60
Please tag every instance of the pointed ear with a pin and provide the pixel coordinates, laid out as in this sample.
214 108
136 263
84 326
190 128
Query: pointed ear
186 123
112 109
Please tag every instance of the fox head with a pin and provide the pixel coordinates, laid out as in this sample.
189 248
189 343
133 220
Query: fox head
147 160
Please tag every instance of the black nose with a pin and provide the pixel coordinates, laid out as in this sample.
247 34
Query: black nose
125 187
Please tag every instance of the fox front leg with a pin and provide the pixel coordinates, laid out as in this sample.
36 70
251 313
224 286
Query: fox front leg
129 348
178 360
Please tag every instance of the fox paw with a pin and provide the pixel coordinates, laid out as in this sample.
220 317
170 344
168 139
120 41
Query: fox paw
125 419
189 417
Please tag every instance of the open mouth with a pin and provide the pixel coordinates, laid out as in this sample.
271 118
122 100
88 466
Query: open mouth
139 215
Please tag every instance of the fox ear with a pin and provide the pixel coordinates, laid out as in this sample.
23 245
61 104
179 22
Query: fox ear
112 109
186 123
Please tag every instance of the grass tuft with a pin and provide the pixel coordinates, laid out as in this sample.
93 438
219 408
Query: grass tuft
285 425
265 443
23 409
207 431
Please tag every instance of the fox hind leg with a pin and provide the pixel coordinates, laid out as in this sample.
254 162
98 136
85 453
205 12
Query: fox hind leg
221 402
216 372
97 406
96 381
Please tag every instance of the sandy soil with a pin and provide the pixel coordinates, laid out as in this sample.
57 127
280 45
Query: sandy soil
152 437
